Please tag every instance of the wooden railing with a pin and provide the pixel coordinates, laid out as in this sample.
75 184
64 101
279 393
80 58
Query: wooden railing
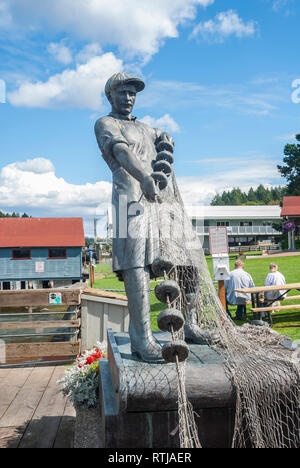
40 325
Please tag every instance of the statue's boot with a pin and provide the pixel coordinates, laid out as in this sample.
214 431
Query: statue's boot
143 343
192 332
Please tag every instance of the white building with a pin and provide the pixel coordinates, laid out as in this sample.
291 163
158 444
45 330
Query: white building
246 225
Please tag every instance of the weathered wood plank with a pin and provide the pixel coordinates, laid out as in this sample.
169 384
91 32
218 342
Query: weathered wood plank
291 298
31 350
42 430
4 373
258 289
38 297
276 308
10 387
44 324
10 437
107 294
23 406
66 430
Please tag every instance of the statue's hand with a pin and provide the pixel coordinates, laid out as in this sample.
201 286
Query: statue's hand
148 188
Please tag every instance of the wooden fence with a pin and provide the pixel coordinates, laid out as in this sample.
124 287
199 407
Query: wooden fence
39 325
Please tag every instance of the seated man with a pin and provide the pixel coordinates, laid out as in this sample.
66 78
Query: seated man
274 278
239 279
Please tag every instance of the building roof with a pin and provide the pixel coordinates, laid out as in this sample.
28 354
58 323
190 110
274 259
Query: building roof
41 232
267 212
291 206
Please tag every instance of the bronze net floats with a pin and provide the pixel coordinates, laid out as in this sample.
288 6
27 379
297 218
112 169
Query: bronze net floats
165 156
170 320
167 291
164 145
162 266
161 179
175 350
163 166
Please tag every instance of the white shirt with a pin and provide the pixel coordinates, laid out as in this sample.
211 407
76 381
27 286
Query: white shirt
274 279
239 279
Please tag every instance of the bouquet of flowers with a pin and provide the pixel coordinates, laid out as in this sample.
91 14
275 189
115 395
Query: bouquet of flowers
80 383
289 227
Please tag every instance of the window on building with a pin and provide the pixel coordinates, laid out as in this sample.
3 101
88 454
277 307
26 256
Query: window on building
21 254
246 223
223 223
58 252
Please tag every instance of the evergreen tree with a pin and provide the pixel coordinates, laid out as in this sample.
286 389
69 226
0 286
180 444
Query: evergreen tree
291 168
252 196
217 201
260 196
260 193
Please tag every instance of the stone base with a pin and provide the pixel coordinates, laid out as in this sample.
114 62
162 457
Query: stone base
139 400
88 428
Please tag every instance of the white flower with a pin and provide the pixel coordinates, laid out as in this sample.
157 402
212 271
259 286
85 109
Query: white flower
80 383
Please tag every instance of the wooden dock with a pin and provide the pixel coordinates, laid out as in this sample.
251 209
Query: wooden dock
33 411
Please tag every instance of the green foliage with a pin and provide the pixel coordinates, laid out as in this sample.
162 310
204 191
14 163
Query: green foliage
291 168
13 215
89 241
259 196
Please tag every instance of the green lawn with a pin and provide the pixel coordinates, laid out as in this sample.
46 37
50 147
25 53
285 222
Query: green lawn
258 269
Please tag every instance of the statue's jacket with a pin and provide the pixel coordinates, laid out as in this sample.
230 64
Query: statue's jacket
143 230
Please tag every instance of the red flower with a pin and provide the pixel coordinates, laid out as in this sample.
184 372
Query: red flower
89 360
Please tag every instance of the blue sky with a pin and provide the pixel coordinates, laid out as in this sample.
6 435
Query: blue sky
219 77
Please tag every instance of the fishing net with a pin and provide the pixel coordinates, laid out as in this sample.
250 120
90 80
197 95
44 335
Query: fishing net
265 375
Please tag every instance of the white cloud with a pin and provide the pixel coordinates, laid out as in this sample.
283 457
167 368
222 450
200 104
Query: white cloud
165 122
200 190
278 5
287 137
5 16
32 186
227 23
60 52
36 166
80 87
173 95
134 26
88 52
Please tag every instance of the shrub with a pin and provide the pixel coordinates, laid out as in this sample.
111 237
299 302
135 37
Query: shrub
80 383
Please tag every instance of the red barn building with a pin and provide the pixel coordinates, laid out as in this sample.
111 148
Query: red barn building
40 252
291 213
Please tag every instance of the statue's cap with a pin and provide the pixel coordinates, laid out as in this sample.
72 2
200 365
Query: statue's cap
123 78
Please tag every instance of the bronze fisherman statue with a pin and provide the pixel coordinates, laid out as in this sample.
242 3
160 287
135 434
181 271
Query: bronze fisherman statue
130 148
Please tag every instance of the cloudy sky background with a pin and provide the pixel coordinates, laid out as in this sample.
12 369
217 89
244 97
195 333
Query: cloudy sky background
219 76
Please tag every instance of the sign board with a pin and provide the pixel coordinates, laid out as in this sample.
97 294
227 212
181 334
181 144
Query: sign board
55 298
218 240
40 267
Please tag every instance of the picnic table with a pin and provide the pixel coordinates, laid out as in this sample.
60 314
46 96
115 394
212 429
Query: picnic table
258 307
